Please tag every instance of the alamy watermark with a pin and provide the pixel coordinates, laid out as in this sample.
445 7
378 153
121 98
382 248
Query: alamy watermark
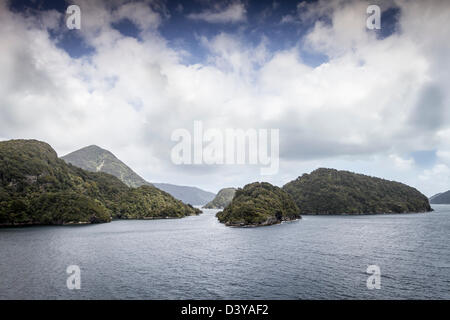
74 280
374 281
228 146
374 20
73 20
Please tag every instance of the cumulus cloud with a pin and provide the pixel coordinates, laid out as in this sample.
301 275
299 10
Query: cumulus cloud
233 13
139 13
403 164
372 104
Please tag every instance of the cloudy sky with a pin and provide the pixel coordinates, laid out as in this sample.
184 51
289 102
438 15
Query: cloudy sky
342 96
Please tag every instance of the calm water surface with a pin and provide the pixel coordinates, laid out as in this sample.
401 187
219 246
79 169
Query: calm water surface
199 258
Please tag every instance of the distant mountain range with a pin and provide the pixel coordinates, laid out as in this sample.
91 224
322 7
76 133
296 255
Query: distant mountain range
96 159
187 194
441 198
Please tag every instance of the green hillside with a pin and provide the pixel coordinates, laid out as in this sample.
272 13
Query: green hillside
96 159
222 199
259 204
36 187
329 191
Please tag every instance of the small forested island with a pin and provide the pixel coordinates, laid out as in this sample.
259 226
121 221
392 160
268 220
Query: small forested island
36 187
441 198
259 204
329 191
222 199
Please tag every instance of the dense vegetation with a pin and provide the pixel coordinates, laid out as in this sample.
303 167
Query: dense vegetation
38 188
329 191
441 198
96 159
141 201
222 199
259 204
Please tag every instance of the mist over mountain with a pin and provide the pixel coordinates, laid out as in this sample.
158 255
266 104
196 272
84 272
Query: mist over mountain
96 159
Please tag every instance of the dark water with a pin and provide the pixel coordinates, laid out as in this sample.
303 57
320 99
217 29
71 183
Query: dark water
196 258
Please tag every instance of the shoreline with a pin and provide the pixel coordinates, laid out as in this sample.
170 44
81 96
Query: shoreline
82 223
85 223
256 225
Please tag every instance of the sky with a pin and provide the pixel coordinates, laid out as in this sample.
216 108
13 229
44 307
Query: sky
341 95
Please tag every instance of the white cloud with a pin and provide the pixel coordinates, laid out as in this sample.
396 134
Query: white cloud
140 13
362 108
402 164
233 13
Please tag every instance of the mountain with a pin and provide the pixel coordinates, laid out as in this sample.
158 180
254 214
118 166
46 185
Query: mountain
435 196
329 191
192 195
96 159
222 199
259 204
441 198
36 187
